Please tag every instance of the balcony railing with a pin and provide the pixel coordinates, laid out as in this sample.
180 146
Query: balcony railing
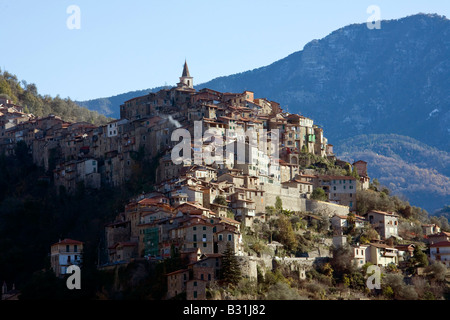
389 254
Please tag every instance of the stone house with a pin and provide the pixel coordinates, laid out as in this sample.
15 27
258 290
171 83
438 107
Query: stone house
440 251
385 223
176 282
428 229
438 237
65 253
359 254
339 189
123 251
381 254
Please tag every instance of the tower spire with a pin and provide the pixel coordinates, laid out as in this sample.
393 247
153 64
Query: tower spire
185 70
186 80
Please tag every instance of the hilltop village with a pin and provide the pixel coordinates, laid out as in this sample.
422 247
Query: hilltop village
202 210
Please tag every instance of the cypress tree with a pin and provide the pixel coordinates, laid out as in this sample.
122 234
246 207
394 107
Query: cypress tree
231 271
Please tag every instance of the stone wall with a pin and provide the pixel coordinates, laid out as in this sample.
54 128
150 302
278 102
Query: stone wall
291 198
249 265
326 208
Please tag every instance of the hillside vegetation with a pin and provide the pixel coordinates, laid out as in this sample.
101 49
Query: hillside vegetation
26 95
405 165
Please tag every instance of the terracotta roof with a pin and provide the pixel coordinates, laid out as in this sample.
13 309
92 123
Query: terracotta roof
441 244
178 271
383 213
340 217
440 234
303 182
229 220
381 245
68 241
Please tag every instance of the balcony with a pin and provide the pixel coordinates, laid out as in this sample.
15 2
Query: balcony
389 254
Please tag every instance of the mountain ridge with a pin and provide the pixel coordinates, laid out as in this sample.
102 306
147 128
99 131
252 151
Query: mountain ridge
358 81
352 72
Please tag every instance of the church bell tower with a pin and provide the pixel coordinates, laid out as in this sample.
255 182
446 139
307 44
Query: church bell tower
186 80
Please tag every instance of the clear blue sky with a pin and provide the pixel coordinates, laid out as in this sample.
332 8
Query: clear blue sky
131 45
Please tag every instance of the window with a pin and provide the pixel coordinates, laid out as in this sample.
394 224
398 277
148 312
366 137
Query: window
67 248
204 228
195 283
195 237
229 237
195 293
220 237
194 228
75 248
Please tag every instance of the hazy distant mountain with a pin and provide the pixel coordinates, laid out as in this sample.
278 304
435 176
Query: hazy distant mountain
357 81
110 106
404 165
360 81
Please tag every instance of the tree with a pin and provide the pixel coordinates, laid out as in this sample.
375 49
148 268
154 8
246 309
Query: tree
231 271
375 184
286 233
319 194
351 222
221 200
438 271
342 261
419 258
398 289
282 291
278 204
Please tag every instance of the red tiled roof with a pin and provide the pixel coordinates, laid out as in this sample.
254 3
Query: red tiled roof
68 241
383 213
441 244
381 245
440 234
178 271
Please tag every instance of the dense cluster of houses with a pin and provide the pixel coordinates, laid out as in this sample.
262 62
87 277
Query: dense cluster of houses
381 252
82 153
197 208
